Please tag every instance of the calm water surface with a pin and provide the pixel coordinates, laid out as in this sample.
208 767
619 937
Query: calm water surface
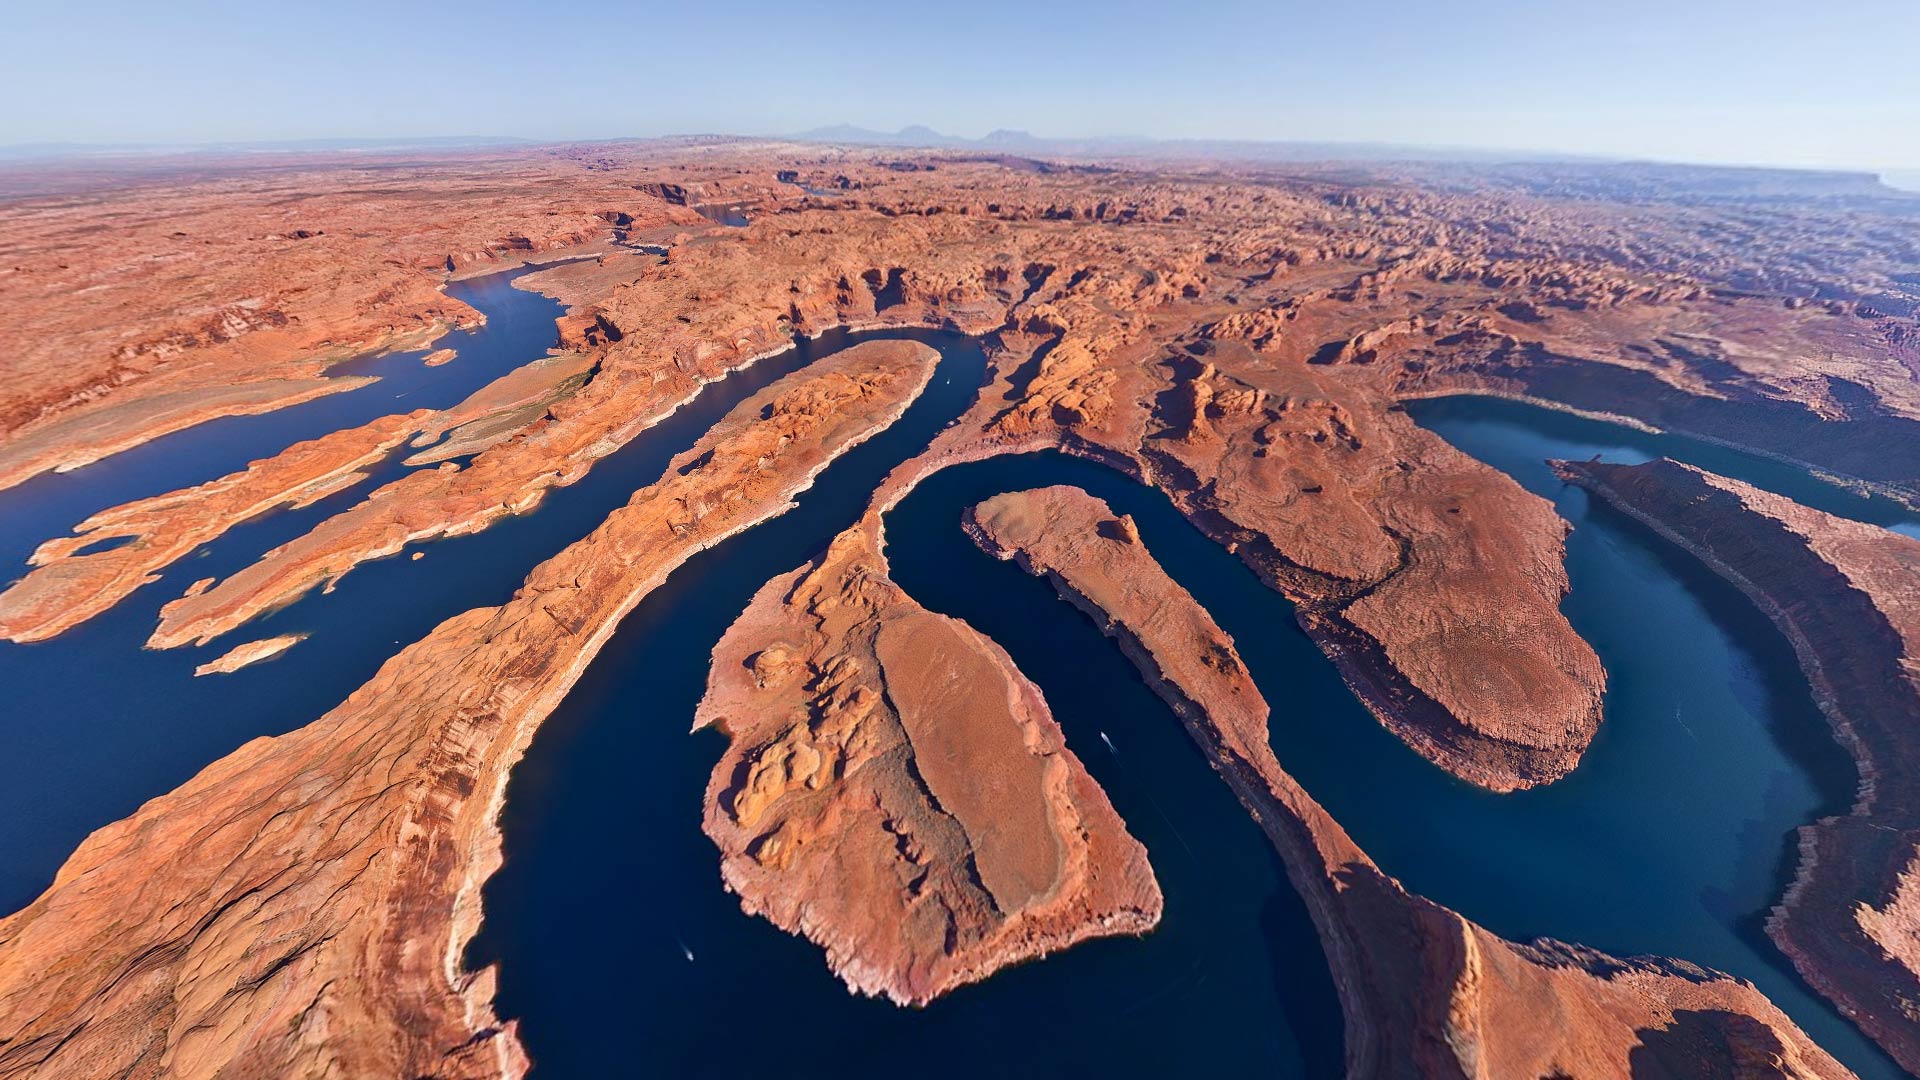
89 750
1491 421
608 876
1672 837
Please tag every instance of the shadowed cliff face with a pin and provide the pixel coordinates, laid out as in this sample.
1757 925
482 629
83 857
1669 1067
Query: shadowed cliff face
1483 1007
1844 594
1241 340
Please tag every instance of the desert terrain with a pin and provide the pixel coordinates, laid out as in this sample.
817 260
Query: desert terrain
1244 339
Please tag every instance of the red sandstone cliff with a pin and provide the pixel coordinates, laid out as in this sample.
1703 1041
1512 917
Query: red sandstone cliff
300 907
1426 992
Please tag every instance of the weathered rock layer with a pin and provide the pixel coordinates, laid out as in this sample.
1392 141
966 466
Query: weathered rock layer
300 907
897 791
1426 992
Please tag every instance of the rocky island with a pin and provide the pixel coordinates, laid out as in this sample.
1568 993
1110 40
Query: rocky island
896 790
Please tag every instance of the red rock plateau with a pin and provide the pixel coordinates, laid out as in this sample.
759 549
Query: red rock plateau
1475 666
1847 596
300 907
1426 992
898 792
235 293
74 581
1240 336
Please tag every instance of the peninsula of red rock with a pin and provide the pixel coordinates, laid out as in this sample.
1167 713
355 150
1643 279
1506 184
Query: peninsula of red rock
716 434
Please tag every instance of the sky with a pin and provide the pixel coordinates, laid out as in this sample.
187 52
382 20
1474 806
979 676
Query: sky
1829 83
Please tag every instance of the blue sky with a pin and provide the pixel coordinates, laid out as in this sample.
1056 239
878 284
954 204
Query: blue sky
1818 82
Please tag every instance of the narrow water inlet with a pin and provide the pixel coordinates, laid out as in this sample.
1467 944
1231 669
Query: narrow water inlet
1671 838
519 328
89 751
608 878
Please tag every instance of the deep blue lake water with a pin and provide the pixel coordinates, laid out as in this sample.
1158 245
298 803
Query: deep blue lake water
1672 837
1487 422
608 874
89 750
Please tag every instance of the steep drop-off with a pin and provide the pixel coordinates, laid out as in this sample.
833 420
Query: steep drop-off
1847 596
1426 992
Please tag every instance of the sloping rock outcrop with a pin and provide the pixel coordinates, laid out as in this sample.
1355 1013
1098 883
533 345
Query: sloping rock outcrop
897 791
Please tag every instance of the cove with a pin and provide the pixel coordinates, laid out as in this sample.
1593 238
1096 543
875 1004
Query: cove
88 750
1711 752
1672 837
608 877
1471 420
519 327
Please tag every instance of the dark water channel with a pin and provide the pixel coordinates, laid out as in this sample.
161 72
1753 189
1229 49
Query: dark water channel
1671 838
608 877
519 328
97 725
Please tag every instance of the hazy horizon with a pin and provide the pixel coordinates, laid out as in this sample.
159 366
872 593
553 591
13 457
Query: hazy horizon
1765 83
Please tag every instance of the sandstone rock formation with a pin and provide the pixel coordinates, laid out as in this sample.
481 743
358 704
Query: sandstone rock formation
300 907
233 294
1242 339
1384 536
501 408
1426 992
1847 596
896 790
74 580
253 652
1241 336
